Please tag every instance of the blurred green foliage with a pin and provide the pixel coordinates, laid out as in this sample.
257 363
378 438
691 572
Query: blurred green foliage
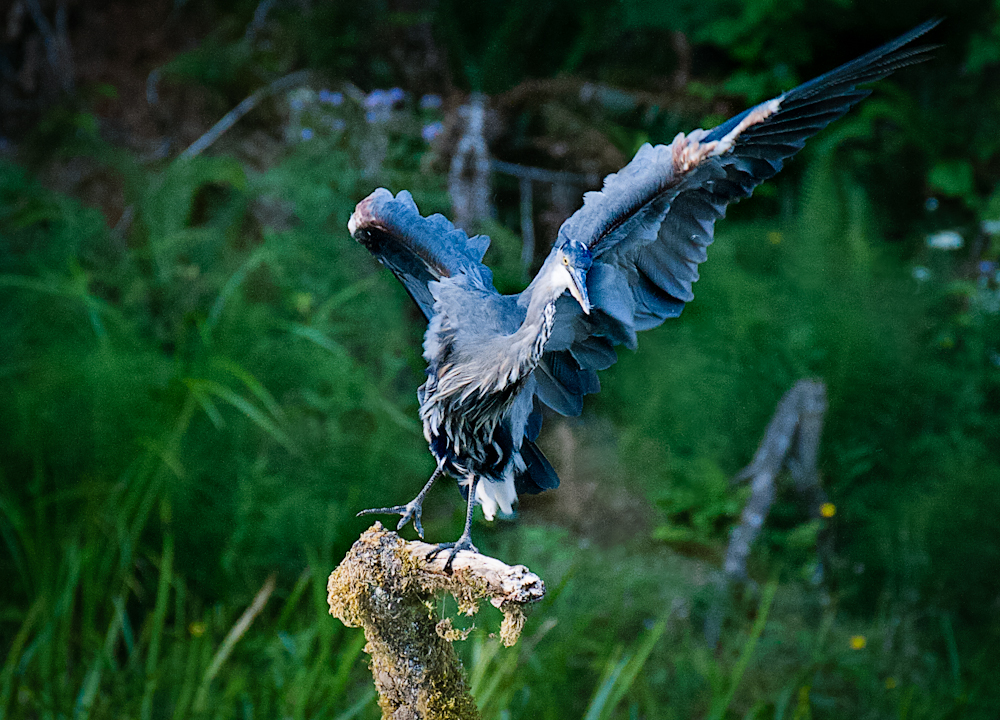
218 365
208 391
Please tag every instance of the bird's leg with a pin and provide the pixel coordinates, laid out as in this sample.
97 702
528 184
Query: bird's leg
412 509
465 541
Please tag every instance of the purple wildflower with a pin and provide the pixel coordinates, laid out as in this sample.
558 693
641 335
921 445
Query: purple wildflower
430 102
431 131
377 98
331 98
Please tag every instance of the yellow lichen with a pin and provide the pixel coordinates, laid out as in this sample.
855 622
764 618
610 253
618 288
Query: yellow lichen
512 625
446 630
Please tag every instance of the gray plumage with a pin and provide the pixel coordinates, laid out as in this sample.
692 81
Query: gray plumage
629 258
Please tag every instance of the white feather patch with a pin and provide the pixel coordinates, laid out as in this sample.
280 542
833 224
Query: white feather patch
496 495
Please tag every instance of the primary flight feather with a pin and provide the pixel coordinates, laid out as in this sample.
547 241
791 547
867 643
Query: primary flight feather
624 262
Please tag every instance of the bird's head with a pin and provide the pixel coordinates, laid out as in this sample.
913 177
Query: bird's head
572 261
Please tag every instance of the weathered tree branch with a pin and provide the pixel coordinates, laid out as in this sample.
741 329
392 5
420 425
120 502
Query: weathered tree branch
385 585
790 441
526 176
56 40
469 175
246 105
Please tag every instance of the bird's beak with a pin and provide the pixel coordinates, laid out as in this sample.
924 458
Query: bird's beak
578 289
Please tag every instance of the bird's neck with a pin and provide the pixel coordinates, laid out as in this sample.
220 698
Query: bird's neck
530 338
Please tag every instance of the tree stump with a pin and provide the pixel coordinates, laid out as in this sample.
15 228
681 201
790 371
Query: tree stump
386 585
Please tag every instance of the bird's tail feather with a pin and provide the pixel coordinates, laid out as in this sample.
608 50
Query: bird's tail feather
538 475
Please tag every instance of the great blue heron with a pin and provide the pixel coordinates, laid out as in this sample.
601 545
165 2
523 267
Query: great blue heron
628 258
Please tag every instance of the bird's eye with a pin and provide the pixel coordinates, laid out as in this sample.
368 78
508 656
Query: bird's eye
565 260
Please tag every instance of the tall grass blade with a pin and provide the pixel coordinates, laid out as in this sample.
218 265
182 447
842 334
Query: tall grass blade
232 637
719 708
346 661
206 402
254 386
618 682
252 413
92 682
483 654
635 665
301 585
199 653
348 293
358 707
128 637
598 708
315 336
156 630
14 528
12 664
803 710
953 658
232 284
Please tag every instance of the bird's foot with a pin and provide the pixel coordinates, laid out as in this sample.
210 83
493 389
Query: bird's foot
464 543
410 511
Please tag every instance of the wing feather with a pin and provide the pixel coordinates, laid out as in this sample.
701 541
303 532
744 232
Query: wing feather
418 250
650 225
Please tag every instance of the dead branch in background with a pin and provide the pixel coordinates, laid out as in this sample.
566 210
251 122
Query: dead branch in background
56 41
386 586
246 105
791 441
526 176
469 175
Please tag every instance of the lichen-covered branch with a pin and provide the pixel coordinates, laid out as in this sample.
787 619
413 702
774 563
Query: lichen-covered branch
385 585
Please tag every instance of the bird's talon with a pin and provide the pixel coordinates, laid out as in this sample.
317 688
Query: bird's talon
410 511
455 548
378 511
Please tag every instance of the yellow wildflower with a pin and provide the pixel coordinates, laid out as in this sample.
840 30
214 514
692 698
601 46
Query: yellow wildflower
858 642
303 302
197 629
828 509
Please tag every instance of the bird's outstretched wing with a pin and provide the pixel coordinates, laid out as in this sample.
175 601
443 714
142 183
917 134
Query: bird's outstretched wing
650 226
417 249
